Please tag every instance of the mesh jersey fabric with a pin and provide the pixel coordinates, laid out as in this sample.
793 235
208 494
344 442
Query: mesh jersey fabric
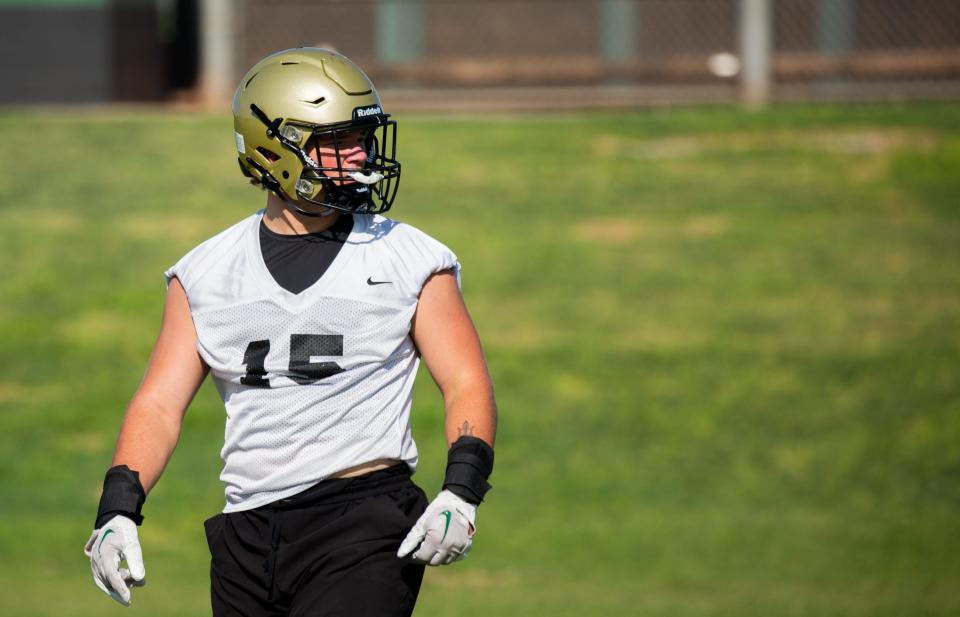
315 382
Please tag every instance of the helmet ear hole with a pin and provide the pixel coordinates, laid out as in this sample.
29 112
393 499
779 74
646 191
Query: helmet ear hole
270 155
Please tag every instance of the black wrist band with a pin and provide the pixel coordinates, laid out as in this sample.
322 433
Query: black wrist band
469 464
122 494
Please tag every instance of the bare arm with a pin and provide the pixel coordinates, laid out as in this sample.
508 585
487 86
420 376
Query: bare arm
151 426
449 345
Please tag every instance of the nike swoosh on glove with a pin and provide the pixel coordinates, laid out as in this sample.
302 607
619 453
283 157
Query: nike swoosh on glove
443 533
107 546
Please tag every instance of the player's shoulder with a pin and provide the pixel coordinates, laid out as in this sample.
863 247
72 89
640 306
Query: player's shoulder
391 231
215 249
413 255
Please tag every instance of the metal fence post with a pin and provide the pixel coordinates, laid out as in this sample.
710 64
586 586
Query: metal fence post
399 26
618 36
756 49
835 26
218 50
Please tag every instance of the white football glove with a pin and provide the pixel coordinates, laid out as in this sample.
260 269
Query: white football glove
116 540
443 533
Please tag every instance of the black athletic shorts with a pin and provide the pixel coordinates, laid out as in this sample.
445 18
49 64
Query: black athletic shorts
328 551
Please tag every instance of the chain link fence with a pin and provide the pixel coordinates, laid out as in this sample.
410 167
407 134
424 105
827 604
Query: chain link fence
494 53
592 52
856 49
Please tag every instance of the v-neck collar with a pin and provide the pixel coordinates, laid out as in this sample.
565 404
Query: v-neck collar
294 302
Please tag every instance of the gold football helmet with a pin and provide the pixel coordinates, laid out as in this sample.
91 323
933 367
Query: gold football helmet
293 96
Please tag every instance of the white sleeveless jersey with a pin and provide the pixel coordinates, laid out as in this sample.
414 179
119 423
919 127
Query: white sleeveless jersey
315 382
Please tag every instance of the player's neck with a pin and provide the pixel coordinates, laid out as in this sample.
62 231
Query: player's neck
282 220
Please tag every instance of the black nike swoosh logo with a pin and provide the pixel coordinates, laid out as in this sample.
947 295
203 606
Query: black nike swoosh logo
370 281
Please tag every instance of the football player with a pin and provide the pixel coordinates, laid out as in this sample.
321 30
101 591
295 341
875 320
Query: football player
311 316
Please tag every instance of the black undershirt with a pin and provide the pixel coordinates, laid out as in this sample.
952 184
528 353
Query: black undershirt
297 262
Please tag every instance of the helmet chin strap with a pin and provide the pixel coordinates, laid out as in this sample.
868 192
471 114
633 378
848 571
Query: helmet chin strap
271 183
347 199
293 206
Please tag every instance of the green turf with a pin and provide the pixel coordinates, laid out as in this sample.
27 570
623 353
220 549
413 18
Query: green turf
726 348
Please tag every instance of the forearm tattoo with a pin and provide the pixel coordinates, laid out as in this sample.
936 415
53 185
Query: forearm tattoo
465 430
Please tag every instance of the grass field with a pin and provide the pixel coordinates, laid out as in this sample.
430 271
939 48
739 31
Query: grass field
726 348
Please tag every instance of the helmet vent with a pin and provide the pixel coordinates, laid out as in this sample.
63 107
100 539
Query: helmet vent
288 63
317 101
268 154
252 77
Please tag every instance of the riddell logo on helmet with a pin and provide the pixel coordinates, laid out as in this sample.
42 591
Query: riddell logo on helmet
363 112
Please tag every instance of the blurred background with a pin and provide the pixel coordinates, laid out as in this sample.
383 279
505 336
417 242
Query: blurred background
712 248
495 54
